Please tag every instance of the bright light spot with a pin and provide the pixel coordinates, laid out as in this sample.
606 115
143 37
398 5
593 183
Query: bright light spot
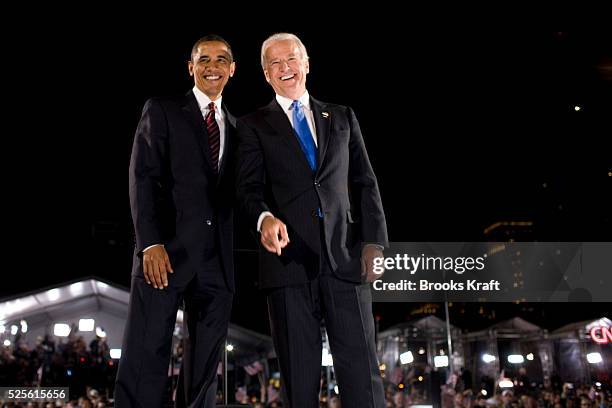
326 358
7 342
76 288
484 392
53 294
406 358
102 285
400 386
529 356
441 361
382 367
577 108
515 359
420 378
598 384
594 358
229 347
488 358
421 350
100 332
14 329
115 353
24 326
61 330
336 390
86 325
506 383
441 352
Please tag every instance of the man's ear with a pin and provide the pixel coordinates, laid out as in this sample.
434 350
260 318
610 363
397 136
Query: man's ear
307 65
190 68
232 69
267 75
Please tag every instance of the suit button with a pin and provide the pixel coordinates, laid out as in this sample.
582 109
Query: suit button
208 222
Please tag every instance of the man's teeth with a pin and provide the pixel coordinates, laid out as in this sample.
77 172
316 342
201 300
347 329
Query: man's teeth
286 77
212 77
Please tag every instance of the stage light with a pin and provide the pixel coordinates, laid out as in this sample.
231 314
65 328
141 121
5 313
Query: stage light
577 108
488 358
76 289
336 390
484 392
594 358
53 294
14 329
115 353
24 326
506 383
529 356
86 325
421 350
61 329
420 378
7 342
515 359
229 347
406 358
441 361
326 358
100 332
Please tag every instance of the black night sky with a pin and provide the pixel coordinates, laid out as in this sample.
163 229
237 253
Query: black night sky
467 122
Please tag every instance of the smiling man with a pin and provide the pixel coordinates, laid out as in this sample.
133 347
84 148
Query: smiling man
306 183
181 195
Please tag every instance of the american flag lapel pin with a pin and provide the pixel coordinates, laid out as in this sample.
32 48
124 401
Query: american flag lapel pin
325 114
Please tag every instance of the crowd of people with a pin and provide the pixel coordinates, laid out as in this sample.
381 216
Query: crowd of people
88 371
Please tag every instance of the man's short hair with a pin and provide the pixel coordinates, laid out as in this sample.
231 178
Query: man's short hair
210 38
281 37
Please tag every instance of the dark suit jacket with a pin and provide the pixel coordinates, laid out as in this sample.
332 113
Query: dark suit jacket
176 197
273 175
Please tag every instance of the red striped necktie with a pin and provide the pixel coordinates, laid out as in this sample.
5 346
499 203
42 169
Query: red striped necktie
214 136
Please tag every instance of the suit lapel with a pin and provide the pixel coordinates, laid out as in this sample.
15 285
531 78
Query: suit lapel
279 122
322 121
192 111
230 126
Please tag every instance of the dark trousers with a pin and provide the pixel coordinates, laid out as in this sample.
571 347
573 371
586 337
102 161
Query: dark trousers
143 369
296 313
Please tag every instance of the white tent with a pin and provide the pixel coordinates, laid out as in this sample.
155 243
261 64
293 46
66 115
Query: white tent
107 304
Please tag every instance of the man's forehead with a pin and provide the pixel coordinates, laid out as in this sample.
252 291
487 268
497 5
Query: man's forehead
209 46
278 48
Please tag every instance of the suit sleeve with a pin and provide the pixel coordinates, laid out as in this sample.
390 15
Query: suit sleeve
147 164
250 174
364 188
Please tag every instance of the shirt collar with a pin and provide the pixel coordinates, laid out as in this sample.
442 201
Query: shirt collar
204 100
285 102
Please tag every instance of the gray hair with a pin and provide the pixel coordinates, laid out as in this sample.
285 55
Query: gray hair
281 37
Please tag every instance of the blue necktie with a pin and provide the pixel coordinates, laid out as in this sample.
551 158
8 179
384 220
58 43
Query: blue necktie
300 125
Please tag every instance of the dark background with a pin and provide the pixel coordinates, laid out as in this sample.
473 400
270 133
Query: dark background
468 120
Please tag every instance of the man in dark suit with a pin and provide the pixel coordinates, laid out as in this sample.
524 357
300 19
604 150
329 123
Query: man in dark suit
305 180
182 195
